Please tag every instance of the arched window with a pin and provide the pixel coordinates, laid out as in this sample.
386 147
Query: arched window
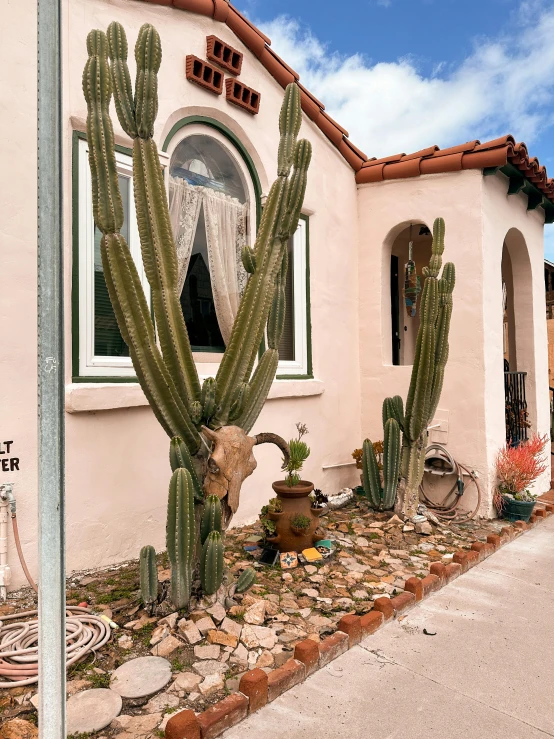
210 205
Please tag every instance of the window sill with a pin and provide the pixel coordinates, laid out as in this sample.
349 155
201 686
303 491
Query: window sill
83 397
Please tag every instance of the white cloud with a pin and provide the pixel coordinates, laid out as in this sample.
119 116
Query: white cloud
505 86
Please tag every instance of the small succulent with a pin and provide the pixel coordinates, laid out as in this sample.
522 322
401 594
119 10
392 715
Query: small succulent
269 527
319 499
300 521
299 453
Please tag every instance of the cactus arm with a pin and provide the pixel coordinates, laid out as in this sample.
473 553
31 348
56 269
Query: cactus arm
211 563
181 536
372 481
148 56
148 575
179 456
276 319
121 79
245 580
211 517
391 462
446 286
260 384
290 119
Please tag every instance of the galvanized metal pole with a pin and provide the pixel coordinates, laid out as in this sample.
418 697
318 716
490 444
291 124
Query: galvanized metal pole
51 441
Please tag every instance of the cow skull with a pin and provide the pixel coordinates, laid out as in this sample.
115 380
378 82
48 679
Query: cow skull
231 461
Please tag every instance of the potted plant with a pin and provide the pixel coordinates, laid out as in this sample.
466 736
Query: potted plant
517 467
319 502
269 529
274 509
299 523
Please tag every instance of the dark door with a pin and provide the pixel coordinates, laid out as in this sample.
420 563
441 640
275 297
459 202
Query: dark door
395 310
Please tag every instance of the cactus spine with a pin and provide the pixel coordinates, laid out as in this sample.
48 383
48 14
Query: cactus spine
148 575
181 536
245 580
211 563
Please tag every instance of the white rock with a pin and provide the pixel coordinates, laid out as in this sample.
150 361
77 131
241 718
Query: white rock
92 710
256 613
170 620
212 684
209 667
167 646
217 612
311 592
125 642
159 633
239 656
310 569
211 651
361 542
141 677
231 627
137 726
159 702
258 636
189 630
185 682
204 625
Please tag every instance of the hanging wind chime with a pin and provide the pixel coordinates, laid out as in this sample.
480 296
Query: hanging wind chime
412 282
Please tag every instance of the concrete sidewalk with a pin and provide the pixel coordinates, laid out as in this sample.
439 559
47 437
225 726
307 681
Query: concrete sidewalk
488 672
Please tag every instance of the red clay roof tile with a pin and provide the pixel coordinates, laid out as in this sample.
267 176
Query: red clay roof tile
471 155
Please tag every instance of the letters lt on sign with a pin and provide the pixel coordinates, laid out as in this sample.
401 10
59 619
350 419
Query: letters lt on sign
8 464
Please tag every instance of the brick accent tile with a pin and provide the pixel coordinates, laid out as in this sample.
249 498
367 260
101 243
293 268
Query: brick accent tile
495 540
540 512
460 558
223 54
453 570
438 569
243 96
351 626
430 584
284 678
370 622
224 714
473 558
482 549
520 525
413 585
403 601
307 652
253 685
331 647
507 532
183 726
384 605
549 508
204 74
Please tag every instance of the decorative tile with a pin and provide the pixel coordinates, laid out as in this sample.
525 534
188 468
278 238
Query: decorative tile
289 560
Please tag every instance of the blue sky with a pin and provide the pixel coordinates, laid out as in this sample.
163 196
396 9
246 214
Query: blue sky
404 74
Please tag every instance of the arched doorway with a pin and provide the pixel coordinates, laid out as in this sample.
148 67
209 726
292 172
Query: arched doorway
410 252
518 338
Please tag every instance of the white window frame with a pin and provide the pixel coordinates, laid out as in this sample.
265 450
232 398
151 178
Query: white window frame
91 365
298 366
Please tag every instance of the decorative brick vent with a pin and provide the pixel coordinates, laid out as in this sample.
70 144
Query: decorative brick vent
204 74
224 55
243 96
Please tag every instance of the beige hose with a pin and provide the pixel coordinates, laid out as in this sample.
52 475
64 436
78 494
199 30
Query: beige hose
85 633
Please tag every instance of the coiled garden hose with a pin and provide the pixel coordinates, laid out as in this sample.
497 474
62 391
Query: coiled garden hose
447 510
85 632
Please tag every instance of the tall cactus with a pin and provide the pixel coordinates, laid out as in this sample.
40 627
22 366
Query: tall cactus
181 536
403 468
211 563
148 575
162 357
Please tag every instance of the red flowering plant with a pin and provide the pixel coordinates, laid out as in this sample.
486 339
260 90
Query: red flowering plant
517 467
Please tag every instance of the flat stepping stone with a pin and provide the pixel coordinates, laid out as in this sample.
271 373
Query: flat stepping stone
92 710
141 677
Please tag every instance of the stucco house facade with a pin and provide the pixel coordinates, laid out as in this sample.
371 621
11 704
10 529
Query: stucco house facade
349 341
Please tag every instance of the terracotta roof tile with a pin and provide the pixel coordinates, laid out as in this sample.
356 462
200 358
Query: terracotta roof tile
471 155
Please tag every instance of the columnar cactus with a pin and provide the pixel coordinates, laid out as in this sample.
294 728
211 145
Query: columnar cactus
181 536
211 563
430 359
211 517
245 580
167 372
148 575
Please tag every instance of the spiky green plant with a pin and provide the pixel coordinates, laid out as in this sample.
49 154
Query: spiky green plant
211 517
211 563
299 453
148 575
245 580
163 358
403 467
181 536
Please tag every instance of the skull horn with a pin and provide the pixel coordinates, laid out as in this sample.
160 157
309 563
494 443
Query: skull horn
278 441
209 434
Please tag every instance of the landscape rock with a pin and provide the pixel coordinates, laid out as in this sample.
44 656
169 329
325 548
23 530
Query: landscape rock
167 646
212 684
137 726
205 624
211 651
141 677
190 631
220 637
17 728
185 682
217 612
159 702
256 613
92 710
210 667
231 627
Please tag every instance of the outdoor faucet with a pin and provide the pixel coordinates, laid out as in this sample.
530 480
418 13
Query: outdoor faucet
6 494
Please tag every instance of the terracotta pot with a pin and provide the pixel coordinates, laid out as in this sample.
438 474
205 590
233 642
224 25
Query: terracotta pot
319 511
274 516
295 500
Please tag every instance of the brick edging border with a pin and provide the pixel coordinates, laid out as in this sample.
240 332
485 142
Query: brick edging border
257 688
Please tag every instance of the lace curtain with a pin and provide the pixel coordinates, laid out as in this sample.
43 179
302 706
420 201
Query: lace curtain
225 219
